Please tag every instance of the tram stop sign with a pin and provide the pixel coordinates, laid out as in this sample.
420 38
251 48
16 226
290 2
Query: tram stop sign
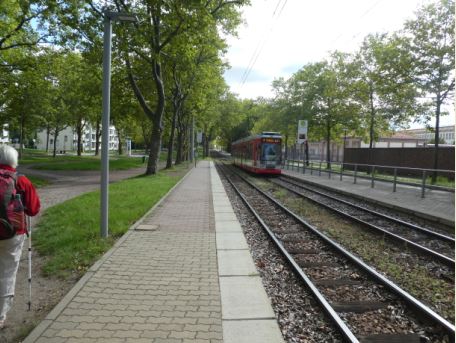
302 131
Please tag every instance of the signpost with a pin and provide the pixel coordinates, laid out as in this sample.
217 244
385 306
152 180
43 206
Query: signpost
302 138
302 131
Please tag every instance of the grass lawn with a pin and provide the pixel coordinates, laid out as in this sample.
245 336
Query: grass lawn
37 181
90 163
69 232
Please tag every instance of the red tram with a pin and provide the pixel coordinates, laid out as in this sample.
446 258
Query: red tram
260 154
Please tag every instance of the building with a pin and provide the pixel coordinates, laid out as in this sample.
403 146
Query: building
67 140
397 140
317 150
446 133
5 134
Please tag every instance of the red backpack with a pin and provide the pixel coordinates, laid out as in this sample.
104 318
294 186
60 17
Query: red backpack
12 216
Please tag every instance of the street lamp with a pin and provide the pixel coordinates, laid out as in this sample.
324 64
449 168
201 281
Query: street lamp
109 17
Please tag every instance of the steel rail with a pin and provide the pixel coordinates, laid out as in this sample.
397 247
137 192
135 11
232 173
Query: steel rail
436 255
341 326
406 297
396 220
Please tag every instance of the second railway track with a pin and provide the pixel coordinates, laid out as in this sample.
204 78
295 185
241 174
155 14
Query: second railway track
438 246
349 290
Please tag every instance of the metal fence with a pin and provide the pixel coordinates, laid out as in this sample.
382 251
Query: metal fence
373 173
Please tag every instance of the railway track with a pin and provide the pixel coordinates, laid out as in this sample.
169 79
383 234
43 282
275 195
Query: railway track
438 246
351 293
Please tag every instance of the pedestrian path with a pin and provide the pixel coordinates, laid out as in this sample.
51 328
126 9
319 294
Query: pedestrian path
436 205
181 274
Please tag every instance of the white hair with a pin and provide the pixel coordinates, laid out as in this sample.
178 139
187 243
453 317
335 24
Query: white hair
8 155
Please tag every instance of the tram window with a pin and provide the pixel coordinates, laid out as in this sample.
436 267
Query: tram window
270 152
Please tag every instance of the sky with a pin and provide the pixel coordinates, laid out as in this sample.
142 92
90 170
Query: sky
278 37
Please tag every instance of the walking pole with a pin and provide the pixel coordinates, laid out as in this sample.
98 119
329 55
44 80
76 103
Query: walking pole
29 234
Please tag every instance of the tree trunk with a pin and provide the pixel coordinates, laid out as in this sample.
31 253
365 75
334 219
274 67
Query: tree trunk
328 144
48 129
436 138
286 147
119 140
97 137
169 160
157 130
371 125
119 147
185 144
79 133
179 148
207 141
154 154
21 137
56 135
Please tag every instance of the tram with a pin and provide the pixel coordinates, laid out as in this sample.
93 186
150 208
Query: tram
259 154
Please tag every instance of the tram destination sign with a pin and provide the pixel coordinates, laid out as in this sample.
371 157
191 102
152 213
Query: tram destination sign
270 140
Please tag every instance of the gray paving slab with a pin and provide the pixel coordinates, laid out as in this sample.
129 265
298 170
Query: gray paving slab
223 217
436 205
240 331
222 203
228 226
243 297
235 263
223 209
231 240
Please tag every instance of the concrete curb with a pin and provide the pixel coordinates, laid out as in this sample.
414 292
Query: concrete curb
247 314
51 316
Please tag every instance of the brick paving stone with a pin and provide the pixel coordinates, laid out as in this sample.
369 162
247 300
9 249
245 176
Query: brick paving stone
182 334
63 325
156 286
99 334
154 334
52 340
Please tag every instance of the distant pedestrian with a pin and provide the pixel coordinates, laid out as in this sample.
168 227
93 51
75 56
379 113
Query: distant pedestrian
11 248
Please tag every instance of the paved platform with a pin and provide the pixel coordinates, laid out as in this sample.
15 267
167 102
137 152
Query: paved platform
436 205
183 273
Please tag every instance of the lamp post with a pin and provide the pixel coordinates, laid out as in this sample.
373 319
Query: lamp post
109 17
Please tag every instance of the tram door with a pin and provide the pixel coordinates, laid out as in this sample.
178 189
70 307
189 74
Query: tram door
256 153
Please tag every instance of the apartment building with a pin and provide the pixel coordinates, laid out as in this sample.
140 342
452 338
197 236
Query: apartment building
67 140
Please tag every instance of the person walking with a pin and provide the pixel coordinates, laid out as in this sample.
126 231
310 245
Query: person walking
11 247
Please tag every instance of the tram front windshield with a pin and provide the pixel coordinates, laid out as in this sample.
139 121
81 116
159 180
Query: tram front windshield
270 152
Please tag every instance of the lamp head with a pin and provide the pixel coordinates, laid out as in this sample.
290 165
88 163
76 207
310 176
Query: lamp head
120 16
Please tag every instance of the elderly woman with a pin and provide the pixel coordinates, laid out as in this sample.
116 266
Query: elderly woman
11 247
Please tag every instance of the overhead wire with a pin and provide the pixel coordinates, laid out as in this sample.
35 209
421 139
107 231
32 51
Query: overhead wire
258 48
359 19
261 43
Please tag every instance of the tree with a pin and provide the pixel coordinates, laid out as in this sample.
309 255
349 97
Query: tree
27 99
164 21
431 43
325 90
380 86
